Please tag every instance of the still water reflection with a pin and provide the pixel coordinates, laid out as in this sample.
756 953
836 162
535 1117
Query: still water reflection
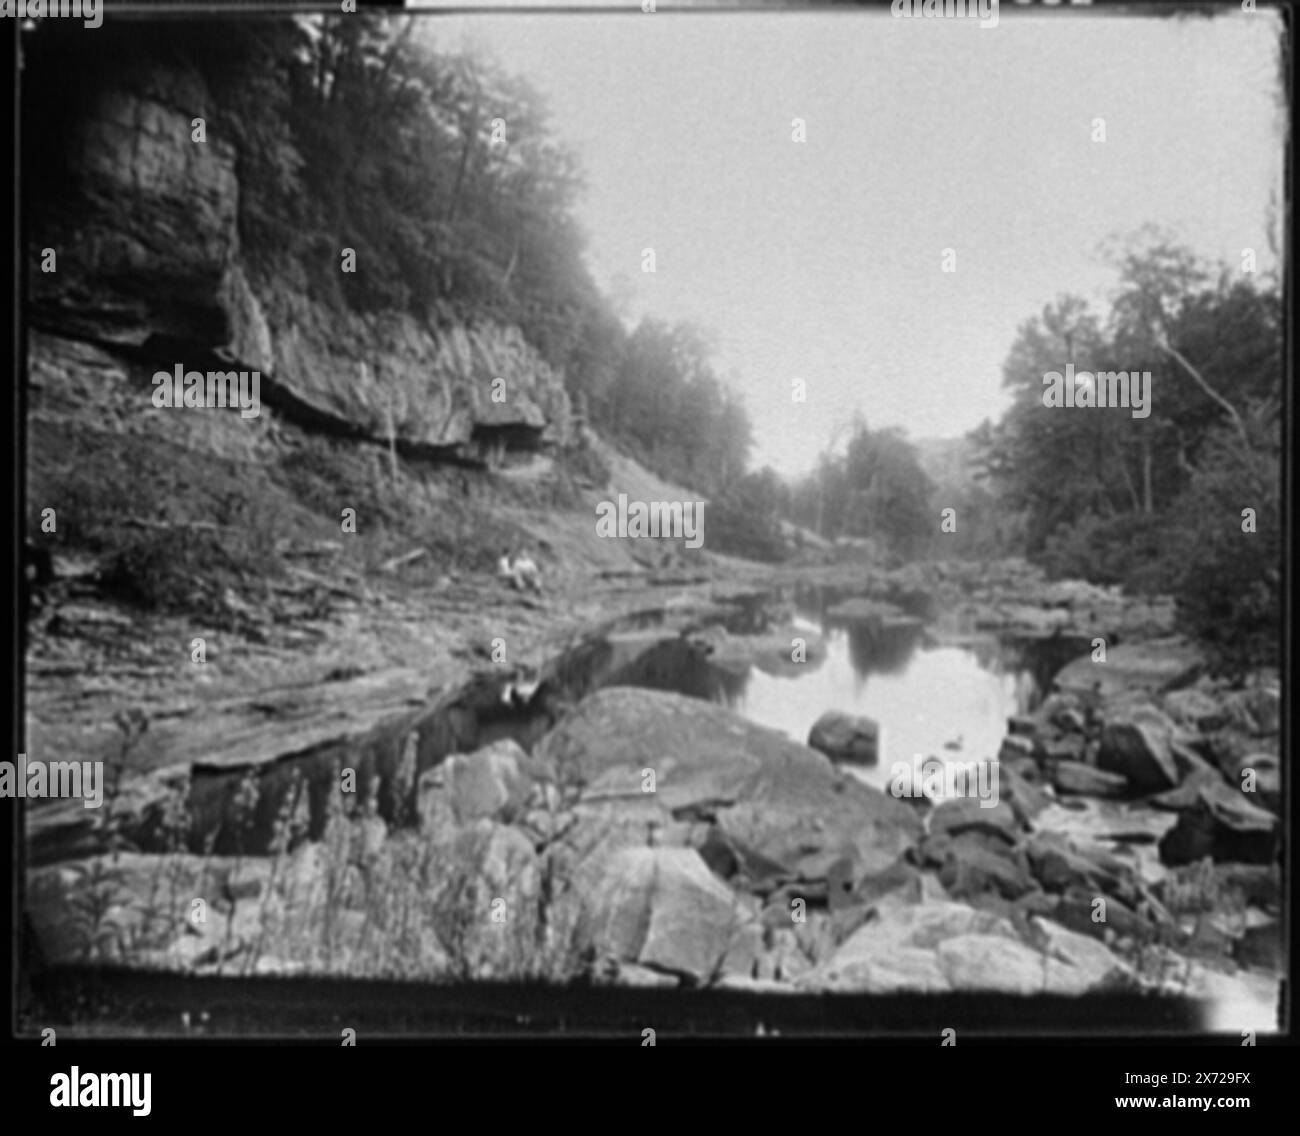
950 702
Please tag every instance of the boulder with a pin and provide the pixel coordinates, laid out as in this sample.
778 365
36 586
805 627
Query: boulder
743 867
1070 719
973 868
773 652
945 947
600 829
874 614
846 737
1022 725
1137 742
1149 667
662 908
1264 699
966 814
1193 771
1078 963
1261 774
1074 777
1260 946
1079 911
1228 749
1255 709
1090 822
1224 825
1073 747
895 950
1023 793
770 797
1063 710
870 888
1191 765
991 963
1016 747
491 782
485 913
1195 707
1025 620
1059 865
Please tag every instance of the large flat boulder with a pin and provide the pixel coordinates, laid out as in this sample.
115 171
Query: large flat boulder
1149 667
772 797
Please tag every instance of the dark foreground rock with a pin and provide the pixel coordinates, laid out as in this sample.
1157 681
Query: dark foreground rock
1137 744
1224 825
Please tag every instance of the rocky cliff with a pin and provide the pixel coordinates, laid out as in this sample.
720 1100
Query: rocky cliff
148 264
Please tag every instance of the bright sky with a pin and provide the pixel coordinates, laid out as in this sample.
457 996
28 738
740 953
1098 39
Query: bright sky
822 260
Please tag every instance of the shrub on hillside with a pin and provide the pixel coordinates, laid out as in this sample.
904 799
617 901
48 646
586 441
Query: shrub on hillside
1227 580
1130 550
743 521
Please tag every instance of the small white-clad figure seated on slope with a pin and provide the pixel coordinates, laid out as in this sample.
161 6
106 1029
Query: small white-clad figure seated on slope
521 572
505 570
527 574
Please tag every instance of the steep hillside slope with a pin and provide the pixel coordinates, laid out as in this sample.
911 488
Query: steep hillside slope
458 437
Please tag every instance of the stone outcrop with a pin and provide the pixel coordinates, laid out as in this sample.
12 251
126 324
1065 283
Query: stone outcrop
151 268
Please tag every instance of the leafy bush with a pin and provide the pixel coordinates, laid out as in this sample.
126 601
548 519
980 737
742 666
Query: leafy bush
1227 581
743 521
1130 550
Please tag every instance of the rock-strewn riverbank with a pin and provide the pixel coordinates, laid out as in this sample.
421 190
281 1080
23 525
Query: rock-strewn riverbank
647 837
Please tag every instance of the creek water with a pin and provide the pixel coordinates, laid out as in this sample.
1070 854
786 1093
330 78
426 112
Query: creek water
950 702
